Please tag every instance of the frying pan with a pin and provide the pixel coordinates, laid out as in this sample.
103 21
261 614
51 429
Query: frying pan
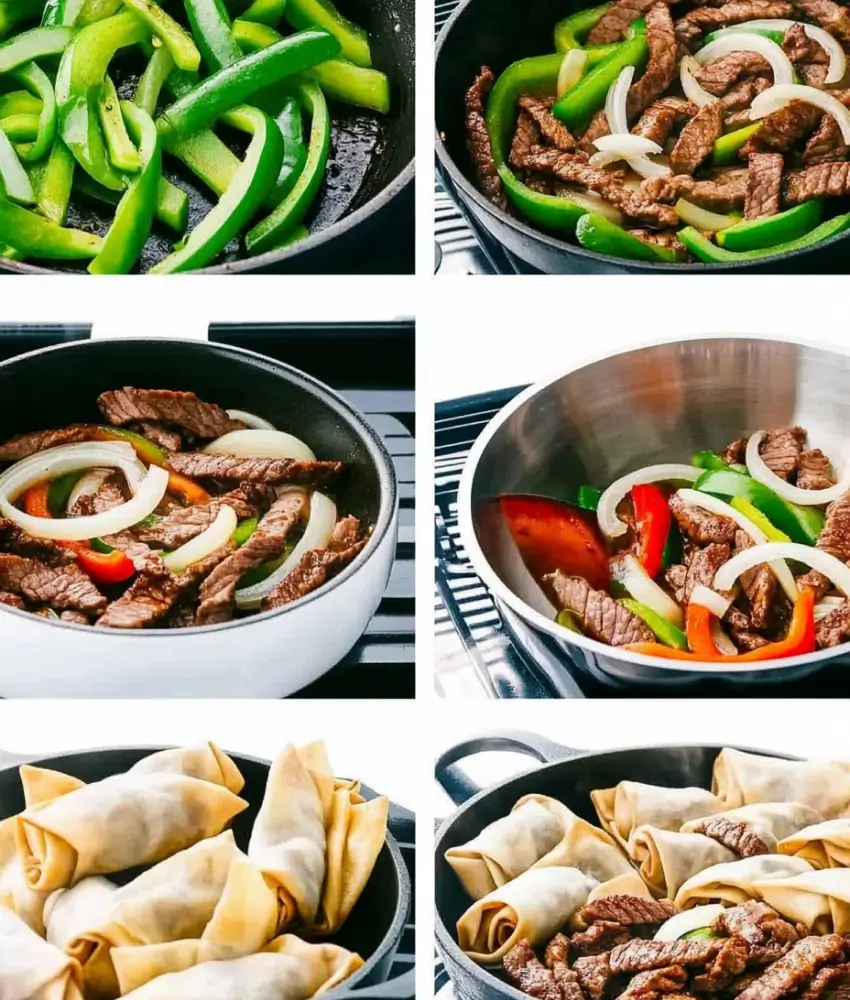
656 404
565 774
495 33
267 655
369 171
377 921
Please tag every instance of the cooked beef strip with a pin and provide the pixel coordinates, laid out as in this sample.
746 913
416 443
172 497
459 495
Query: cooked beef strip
478 138
828 980
823 180
736 103
729 962
641 956
554 131
661 67
153 430
662 116
781 129
697 138
526 138
599 938
718 76
206 420
185 523
594 974
59 586
796 967
702 20
747 641
724 193
254 470
812 74
576 170
735 835
699 525
826 144
557 959
626 910
24 445
703 566
834 628
542 185
141 555
180 616
814 470
800 48
835 536
733 454
614 22
11 600
267 542
527 971
764 185
16 541
598 127
828 15
817 582
760 587
319 565
104 498
767 934
668 238
600 616
652 984
676 577
781 449
75 618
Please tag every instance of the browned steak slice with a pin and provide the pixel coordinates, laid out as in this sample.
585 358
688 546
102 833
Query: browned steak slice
767 933
700 525
557 959
641 956
676 577
104 498
528 972
596 129
478 138
734 834
662 116
661 66
594 973
627 910
729 962
834 628
781 449
703 566
16 541
668 238
11 600
733 454
254 470
614 22
655 982
800 48
184 409
724 192
828 981
827 14
697 139
162 436
599 938
826 144
835 536
815 581
75 618
526 138
736 102
60 586
701 20
24 445
600 616
139 553
747 640
760 587
824 180
184 523
814 471
782 129
551 129
764 185
796 967
718 76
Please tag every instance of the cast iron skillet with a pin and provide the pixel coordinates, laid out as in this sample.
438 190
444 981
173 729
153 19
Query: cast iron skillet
60 386
566 774
376 924
495 33
370 165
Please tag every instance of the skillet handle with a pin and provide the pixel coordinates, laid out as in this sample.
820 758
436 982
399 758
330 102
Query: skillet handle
460 787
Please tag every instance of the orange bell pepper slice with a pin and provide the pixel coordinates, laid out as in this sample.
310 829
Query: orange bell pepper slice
35 500
698 631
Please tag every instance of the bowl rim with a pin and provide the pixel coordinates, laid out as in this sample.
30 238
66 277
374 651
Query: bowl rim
493 582
387 512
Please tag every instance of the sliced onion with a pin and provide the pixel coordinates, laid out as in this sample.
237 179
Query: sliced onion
777 97
259 443
715 505
826 605
606 512
716 603
615 101
54 462
701 218
691 86
644 589
626 144
595 203
316 536
250 420
830 44
741 41
640 163
721 640
87 484
759 470
203 545
687 921
572 69
817 559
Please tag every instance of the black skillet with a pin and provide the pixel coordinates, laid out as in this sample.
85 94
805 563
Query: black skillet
565 774
495 33
377 921
368 179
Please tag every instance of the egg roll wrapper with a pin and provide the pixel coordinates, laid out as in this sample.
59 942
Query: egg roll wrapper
820 899
734 882
630 884
771 822
68 913
30 968
823 845
630 804
743 778
206 762
667 859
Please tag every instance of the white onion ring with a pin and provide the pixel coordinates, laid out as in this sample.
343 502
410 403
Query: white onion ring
777 97
641 164
826 605
759 470
687 921
203 545
261 443
701 218
830 44
692 88
87 485
615 101
250 420
596 204
606 512
626 144
705 597
724 644
316 536
817 559
717 506
644 589
742 41
571 71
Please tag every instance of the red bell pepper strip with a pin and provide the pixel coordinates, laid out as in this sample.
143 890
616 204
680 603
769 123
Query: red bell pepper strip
800 639
698 631
652 522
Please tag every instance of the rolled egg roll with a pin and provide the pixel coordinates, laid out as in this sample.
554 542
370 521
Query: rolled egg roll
735 881
70 912
30 968
668 859
206 762
743 778
824 845
630 884
771 822
820 899
631 804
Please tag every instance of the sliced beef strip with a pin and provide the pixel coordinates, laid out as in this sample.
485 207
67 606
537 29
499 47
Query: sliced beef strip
834 628
24 445
184 409
781 449
764 185
734 453
697 138
551 129
526 138
829 980
835 536
767 933
800 48
700 525
12 600
599 938
796 967
725 192
104 498
594 974
180 616
254 470
662 116
729 962
641 956
812 74
702 20
748 641
824 180
576 170
153 430
185 523
614 22
814 471
319 565
668 238
529 973
478 139
782 129
626 910
827 14
17 542
267 542
676 576
703 566
600 616
760 587
735 835
557 959
652 984
59 586
75 618
143 558
816 582
661 66
736 102
718 76
826 144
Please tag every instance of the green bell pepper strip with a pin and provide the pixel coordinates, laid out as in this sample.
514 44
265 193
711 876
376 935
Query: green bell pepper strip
19 102
211 27
701 933
172 205
11 15
672 548
594 232
588 497
59 492
252 183
755 234
291 127
32 76
232 84
78 86
54 193
566 620
353 40
11 253
126 238
708 460
37 43
572 31
21 130
123 155
801 524
710 253
13 178
578 105
244 530
173 36
265 12
97 10
273 230
664 631
773 534
295 236
727 147
36 236
78 13
153 79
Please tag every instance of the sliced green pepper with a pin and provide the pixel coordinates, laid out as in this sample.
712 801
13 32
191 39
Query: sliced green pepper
13 178
700 934
294 151
290 213
588 497
125 241
59 492
173 36
265 12
566 620
265 571
11 14
54 193
571 32
775 36
710 253
773 534
211 27
672 553
172 205
597 233
32 76
37 43
353 40
801 524
153 79
244 530
122 153
727 147
708 460
250 186
36 236
19 102
755 234
99 545
21 130
664 631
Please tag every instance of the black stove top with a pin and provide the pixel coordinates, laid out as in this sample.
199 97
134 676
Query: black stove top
382 664
482 649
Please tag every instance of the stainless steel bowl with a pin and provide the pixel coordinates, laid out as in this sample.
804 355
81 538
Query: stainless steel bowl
656 404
